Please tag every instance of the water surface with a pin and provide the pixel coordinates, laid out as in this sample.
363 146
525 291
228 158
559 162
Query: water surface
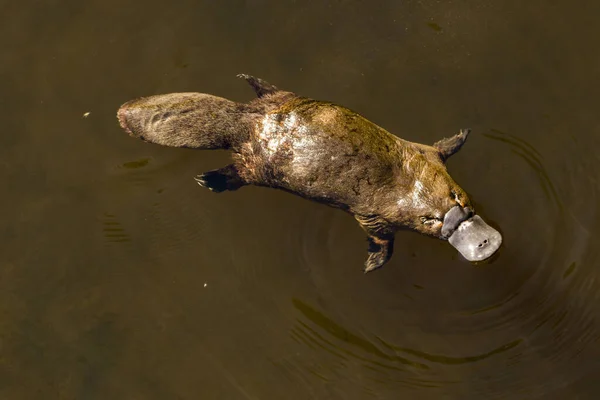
121 278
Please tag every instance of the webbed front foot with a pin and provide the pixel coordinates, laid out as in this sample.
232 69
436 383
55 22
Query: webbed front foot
380 252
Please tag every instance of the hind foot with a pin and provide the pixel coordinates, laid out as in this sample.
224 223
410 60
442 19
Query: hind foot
220 180
261 87
451 145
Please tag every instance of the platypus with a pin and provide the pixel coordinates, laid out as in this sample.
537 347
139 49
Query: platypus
326 153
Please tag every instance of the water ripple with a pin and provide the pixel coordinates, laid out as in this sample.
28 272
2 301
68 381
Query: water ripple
541 335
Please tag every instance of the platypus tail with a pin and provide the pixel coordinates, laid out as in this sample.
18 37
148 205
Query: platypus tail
190 120
198 120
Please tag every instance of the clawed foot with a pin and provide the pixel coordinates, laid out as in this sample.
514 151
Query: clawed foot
201 180
260 86
375 260
220 180
380 252
451 145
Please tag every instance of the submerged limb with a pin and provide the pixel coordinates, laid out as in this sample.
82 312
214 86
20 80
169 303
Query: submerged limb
380 236
380 252
222 179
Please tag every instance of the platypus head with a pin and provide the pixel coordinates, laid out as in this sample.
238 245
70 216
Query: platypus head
432 203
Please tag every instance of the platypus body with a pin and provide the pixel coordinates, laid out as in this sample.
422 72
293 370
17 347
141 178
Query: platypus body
326 153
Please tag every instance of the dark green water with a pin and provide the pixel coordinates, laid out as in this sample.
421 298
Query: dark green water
121 278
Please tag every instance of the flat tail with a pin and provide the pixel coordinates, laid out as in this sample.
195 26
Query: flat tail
189 120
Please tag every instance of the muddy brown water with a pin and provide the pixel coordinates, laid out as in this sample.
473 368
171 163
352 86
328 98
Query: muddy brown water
121 278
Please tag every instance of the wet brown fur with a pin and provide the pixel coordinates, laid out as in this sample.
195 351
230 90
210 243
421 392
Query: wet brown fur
315 149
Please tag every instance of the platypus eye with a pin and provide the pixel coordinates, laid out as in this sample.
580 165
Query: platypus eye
456 198
430 220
